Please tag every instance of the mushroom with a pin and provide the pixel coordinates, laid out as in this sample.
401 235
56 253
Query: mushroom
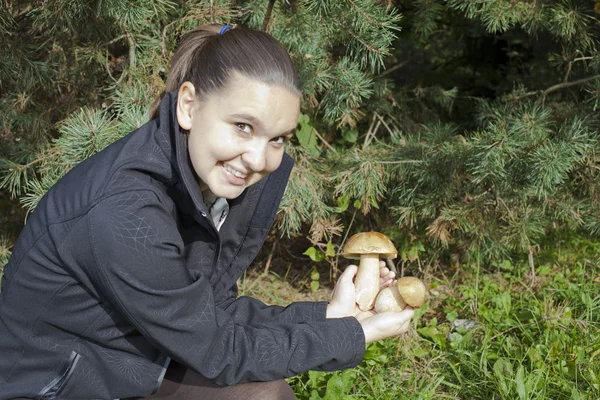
368 247
408 291
412 290
389 299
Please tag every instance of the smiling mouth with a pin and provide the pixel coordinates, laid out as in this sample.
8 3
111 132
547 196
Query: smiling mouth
234 171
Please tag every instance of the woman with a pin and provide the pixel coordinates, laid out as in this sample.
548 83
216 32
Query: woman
123 282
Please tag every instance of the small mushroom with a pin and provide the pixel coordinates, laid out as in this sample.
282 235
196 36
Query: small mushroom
368 247
389 299
408 291
412 290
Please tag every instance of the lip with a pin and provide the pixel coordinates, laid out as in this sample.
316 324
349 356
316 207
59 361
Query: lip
232 179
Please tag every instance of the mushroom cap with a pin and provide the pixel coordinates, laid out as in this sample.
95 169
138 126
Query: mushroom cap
369 243
412 290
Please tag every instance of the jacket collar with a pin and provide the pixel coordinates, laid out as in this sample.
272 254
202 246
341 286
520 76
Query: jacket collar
174 142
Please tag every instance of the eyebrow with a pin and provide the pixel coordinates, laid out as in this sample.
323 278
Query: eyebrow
257 123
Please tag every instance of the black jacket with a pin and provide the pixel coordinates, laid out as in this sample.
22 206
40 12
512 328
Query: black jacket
118 270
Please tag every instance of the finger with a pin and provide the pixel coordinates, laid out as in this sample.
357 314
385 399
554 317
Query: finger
408 313
387 283
382 264
383 270
404 328
349 272
361 316
404 316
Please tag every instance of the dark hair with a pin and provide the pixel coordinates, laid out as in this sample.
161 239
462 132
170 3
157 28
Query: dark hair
207 59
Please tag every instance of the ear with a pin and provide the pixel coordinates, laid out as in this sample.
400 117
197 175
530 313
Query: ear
186 99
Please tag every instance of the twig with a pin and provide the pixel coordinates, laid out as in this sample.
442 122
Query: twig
163 43
337 256
371 132
385 124
559 86
324 141
394 68
131 50
568 71
531 265
268 15
571 65
399 162
270 256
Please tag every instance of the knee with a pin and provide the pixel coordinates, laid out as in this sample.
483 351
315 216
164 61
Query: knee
275 390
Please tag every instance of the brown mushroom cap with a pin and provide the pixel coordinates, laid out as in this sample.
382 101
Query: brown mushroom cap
369 243
412 290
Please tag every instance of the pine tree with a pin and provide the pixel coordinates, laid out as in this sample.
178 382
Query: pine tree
467 126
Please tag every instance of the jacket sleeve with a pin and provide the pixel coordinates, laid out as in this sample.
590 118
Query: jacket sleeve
139 267
248 310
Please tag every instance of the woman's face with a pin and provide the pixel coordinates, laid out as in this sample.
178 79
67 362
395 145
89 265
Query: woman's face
238 134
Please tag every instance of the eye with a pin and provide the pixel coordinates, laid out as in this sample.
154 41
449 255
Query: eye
279 140
244 127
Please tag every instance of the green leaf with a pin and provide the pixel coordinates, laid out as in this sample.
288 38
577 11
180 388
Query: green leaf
330 252
544 270
315 254
314 274
521 383
505 299
452 316
307 136
434 335
350 135
342 204
340 384
314 286
314 377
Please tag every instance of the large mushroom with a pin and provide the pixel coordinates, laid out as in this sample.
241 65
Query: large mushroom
368 247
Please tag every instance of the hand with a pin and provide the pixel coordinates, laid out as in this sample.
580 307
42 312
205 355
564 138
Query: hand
386 277
343 299
385 325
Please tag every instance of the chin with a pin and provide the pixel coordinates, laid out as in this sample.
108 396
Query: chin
228 193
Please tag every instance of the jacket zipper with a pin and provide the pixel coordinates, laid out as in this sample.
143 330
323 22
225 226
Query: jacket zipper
53 388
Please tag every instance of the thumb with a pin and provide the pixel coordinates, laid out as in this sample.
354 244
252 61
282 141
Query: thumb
349 273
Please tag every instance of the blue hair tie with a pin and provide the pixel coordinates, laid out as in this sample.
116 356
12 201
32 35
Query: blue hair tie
224 29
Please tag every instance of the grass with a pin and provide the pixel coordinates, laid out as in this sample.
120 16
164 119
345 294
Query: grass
483 334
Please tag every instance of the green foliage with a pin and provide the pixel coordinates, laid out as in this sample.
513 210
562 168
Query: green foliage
5 253
498 339
495 124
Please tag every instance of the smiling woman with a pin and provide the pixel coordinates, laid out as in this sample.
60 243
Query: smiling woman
235 141
123 282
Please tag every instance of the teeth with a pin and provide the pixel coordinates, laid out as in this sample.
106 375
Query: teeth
234 172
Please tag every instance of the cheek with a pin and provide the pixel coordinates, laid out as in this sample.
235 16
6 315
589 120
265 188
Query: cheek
274 160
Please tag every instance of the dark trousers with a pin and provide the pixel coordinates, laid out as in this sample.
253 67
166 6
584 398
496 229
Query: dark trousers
181 383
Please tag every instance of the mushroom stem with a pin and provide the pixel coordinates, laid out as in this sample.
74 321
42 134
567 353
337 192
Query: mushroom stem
367 281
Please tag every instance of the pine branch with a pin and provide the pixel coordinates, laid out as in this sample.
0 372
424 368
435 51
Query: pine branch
265 24
554 88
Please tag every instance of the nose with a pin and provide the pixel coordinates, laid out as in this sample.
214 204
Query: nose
255 156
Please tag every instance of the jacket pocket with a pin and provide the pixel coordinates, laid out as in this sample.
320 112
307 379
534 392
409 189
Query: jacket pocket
53 388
